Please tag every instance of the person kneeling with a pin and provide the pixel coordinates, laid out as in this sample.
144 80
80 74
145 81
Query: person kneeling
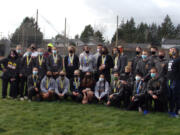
116 93
33 84
62 86
48 86
138 100
76 87
101 89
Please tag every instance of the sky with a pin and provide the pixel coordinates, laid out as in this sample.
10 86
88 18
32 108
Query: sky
101 14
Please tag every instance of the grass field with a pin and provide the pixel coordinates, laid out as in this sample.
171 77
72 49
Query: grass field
68 118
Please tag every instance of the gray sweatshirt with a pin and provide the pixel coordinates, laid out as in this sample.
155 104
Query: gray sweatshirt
101 86
86 62
47 84
62 83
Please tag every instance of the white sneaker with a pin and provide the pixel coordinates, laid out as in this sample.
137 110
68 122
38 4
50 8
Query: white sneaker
25 97
179 112
29 100
21 99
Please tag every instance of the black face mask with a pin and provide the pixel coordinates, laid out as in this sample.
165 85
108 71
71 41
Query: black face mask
153 52
127 73
49 49
62 76
87 52
161 56
71 51
88 76
76 76
137 52
103 53
49 76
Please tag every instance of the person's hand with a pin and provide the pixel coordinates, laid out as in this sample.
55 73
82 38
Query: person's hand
103 67
4 70
20 75
74 93
84 91
154 97
133 98
111 96
150 92
36 89
99 99
124 82
12 79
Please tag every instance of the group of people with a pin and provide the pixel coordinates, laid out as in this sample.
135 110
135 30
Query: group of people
148 82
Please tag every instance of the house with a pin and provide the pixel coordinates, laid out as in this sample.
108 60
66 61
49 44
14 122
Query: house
169 43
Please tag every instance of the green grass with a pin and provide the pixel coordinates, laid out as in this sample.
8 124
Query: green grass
68 118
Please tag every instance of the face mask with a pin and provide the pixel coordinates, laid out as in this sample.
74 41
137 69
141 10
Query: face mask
115 78
88 76
18 51
35 72
103 52
101 79
12 55
49 76
153 52
144 56
161 56
137 78
40 53
28 53
127 73
54 51
153 75
120 50
71 51
87 52
137 52
76 76
62 76
49 49
98 50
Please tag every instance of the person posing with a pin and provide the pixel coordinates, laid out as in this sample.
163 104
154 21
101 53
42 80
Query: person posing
115 95
10 69
33 85
40 62
48 85
116 59
86 61
71 62
102 89
87 86
123 58
155 88
62 86
136 59
26 70
139 95
105 63
75 87
54 62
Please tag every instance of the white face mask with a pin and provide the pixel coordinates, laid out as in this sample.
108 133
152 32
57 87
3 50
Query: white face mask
98 50
101 79
137 78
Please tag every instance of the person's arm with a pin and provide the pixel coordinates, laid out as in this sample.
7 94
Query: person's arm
160 90
106 90
66 87
30 84
43 86
96 92
52 84
56 87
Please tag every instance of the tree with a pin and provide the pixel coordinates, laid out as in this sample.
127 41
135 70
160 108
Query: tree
27 33
167 28
99 36
87 33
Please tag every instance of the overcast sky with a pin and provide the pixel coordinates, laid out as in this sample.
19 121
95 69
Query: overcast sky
101 14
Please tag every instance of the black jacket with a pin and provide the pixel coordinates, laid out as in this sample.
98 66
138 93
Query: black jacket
54 67
33 82
73 86
70 68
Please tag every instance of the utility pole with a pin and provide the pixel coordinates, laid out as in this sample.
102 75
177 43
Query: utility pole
65 31
36 26
117 32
